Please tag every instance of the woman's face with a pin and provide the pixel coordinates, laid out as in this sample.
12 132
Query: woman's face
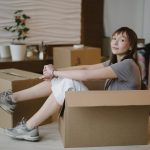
120 44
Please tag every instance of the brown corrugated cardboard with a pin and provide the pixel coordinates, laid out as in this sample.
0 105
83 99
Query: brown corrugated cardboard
69 56
16 80
95 85
105 118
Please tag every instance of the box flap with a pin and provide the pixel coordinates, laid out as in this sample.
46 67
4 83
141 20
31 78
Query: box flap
71 48
16 74
108 98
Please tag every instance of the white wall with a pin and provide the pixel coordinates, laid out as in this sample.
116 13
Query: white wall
52 21
132 13
146 25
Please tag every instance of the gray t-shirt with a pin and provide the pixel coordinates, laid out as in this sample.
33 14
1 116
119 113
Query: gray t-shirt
128 74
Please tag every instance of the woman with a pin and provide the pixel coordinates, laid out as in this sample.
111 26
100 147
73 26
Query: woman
121 72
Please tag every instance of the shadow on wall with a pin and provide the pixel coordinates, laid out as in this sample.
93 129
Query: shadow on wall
106 50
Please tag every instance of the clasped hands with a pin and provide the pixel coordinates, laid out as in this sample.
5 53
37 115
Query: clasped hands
48 72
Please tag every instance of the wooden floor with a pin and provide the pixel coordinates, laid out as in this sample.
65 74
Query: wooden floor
51 140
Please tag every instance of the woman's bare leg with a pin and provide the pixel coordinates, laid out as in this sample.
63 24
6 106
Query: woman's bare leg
42 89
48 109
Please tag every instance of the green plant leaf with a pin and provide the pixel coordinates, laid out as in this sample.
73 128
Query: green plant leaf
8 28
19 26
24 37
26 29
13 30
25 16
23 24
18 11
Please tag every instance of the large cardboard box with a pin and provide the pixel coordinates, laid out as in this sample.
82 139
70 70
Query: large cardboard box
105 118
95 85
16 80
69 56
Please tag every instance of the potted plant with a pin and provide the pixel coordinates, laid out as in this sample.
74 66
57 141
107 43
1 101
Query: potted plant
20 33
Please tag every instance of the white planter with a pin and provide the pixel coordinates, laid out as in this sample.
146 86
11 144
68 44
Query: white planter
18 52
4 51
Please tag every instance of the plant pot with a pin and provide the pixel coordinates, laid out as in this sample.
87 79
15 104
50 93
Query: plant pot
4 51
18 52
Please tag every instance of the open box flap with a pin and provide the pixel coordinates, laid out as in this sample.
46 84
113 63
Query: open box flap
16 74
108 98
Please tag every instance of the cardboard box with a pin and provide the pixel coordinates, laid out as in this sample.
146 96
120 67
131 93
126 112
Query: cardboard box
69 56
95 85
105 118
16 80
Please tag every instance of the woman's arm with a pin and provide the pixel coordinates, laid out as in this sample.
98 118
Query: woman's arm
89 74
48 70
82 67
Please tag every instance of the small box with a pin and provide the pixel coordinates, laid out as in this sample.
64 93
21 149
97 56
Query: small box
15 80
105 118
69 56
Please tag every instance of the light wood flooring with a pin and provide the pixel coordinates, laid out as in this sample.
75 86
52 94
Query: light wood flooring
51 140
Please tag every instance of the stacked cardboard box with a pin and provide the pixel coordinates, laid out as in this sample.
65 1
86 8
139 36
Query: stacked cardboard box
16 80
105 118
69 56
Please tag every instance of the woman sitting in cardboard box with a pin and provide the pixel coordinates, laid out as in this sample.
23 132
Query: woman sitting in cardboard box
121 71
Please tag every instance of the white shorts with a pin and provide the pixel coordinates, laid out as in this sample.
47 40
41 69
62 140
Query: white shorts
60 85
